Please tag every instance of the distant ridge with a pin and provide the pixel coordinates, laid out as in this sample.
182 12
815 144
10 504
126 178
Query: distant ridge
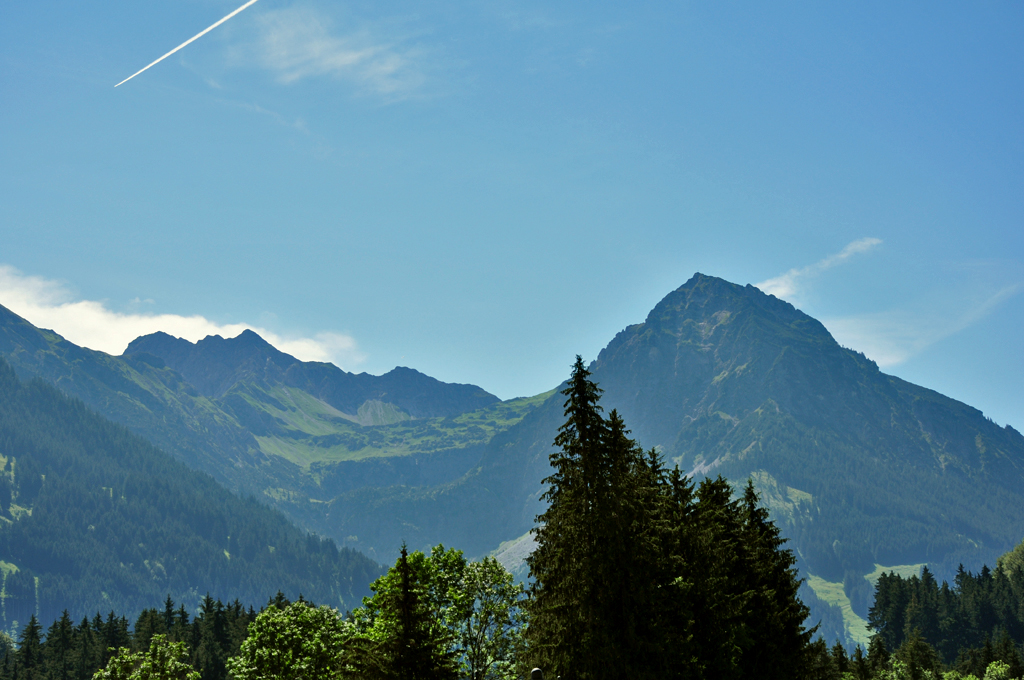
214 365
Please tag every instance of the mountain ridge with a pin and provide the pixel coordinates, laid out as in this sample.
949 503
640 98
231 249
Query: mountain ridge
264 435
214 365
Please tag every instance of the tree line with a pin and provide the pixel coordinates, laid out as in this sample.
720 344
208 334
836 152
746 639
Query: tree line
70 651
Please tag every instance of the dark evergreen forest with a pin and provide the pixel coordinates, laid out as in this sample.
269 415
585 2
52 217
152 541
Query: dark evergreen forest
975 620
67 650
92 516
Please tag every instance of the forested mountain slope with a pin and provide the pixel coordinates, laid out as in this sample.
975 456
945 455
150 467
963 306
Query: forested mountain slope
94 518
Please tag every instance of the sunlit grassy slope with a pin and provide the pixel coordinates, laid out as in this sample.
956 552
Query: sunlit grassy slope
833 593
311 431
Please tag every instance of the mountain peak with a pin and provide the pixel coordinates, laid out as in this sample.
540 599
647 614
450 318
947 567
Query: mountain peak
250 338
710 300
214 364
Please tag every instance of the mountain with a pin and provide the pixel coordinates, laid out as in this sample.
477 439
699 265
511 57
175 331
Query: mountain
95 518
260 421
863 471
728 380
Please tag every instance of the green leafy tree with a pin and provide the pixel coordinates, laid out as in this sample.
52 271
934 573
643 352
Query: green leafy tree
998 670
163 660
295 642
477 608
401 629
488 620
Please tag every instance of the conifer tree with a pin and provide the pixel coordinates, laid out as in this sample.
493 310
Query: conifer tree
637 574
149 623
878 655
209 654
564 615
86 651
59 648
859 665
30 651
168 613
775 614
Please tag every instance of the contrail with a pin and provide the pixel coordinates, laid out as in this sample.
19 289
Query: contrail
200 35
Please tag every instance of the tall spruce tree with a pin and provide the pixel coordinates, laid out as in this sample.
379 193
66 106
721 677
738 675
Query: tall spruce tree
775 615
30 651
420 648
563 611
638 574
58 652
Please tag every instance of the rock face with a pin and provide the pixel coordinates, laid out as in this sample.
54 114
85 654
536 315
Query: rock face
713 355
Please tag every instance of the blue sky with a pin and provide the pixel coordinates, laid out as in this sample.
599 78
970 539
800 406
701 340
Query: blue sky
481 190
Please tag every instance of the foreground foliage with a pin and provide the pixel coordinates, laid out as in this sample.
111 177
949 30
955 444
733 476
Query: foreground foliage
162 661
469 613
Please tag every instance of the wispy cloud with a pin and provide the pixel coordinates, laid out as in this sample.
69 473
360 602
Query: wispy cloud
300 42
297 124
890 338
89 323
787 285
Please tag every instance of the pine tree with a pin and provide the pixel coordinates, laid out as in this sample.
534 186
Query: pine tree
149 623
859 666
209 655
636 574
565 576
86 653
774 614
181 631
59 648
920 657
168 613
878 655
30 651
